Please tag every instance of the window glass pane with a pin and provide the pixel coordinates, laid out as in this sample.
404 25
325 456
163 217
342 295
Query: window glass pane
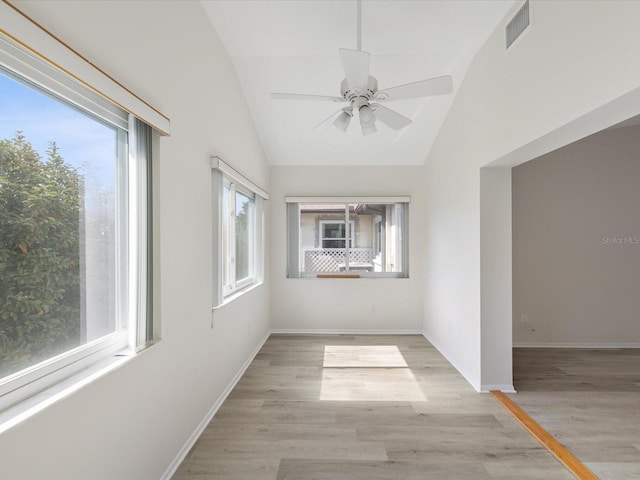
322 237
244 235
333 235
226 254
57 226
377 245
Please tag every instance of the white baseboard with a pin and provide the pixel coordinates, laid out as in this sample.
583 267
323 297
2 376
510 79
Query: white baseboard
304 331
469 378
574 345
502 388
173 466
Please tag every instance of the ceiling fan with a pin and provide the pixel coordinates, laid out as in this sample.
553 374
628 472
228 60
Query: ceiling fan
360 91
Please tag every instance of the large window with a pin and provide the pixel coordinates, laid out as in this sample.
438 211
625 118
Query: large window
74 226
238 232
374 245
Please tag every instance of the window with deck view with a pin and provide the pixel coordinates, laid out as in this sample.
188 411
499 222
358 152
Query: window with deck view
375 244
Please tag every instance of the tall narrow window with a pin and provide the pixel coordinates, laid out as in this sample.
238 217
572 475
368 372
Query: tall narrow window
238 226
374 245
74 226
238 237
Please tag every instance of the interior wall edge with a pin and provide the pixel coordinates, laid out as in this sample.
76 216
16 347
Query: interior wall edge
496 277
608 114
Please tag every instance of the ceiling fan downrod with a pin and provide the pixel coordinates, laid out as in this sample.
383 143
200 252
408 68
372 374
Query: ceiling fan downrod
359 32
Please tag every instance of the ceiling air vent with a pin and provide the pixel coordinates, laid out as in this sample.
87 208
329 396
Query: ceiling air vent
518 24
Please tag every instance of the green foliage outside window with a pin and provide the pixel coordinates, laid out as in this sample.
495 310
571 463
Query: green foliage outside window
40 308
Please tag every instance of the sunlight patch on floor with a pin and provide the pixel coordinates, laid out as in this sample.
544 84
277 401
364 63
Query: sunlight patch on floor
372 356
377 373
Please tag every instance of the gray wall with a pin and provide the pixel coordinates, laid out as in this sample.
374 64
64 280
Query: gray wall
576 243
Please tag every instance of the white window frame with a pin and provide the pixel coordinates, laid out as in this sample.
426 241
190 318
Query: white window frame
227 181
133 289
294 267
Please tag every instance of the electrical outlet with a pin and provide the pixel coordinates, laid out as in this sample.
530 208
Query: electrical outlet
526 323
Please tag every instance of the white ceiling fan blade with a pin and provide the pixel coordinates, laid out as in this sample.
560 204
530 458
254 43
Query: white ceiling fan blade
356 67
423 88
390 118
302 96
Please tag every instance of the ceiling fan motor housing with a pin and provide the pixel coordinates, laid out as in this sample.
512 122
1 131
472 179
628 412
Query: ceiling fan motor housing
359 96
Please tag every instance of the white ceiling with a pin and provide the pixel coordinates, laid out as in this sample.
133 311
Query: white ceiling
292 46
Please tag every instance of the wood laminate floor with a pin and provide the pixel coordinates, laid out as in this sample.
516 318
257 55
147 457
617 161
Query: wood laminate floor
344 407
589 400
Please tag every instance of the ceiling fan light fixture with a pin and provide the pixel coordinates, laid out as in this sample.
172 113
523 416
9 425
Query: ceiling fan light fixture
342 121
367 120
368 128
366 115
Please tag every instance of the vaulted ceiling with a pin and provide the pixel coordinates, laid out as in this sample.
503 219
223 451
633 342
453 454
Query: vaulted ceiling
292 46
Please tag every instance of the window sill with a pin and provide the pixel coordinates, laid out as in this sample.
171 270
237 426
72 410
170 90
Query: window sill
35 404
351 275
238 293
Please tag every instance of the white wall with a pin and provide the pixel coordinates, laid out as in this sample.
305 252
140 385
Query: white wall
345 304
131 423
572 74
576 244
